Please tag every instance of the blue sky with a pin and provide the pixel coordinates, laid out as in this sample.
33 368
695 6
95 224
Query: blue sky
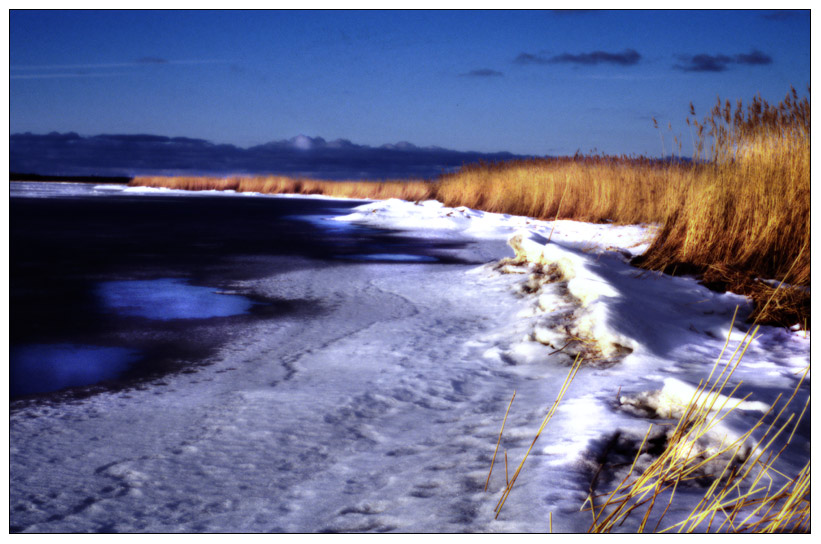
540 83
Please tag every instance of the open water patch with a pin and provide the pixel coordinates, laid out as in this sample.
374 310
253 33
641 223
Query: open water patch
43 368
169 298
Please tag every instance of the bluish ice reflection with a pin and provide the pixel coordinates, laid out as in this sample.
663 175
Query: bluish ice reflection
41 368
326 222
169 298
393 257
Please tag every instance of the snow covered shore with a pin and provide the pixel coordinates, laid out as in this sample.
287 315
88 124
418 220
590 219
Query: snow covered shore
381 412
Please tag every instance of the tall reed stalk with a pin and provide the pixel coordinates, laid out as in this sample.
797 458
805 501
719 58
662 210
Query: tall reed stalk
745 212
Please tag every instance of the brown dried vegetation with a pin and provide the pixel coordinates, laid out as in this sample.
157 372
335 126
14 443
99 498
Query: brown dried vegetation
406 190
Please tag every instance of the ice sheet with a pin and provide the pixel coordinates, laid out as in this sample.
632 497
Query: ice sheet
382 413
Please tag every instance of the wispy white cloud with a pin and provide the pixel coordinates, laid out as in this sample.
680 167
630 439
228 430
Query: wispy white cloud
145 61
59 75
106 69
153 60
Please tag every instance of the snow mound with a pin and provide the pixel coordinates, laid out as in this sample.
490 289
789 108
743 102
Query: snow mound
672 399
434 215
402 214
595 295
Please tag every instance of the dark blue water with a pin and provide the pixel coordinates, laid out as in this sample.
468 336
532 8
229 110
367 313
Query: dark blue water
165 299
108 288
38 368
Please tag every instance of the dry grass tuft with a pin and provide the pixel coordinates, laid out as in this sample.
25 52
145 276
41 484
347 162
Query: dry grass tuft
775 304
746 493
743 495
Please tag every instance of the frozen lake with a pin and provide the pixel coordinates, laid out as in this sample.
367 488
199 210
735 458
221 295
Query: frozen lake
146 279
364 388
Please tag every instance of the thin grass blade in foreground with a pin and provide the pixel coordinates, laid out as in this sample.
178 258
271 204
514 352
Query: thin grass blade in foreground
567 381
737 495
493 461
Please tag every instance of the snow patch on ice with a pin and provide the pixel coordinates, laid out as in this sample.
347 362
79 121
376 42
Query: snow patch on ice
432 215
671 401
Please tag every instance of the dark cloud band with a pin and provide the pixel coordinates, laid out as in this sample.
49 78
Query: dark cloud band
628 57
483 72
753 57
786 14
720 63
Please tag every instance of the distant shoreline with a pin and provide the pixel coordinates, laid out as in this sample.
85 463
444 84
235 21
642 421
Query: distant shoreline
120 180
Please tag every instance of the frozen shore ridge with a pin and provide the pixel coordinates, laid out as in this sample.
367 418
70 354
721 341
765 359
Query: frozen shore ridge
380 412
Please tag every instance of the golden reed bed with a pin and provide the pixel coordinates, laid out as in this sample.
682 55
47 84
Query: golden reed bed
739 212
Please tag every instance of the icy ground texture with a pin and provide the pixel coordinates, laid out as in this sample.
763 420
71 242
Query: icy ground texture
382 411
